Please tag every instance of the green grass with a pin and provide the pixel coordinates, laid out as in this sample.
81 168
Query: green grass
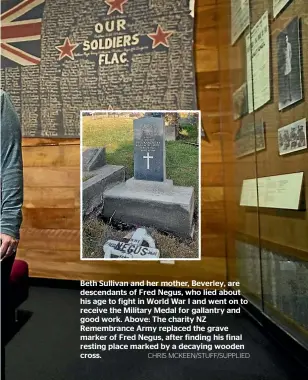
189 133
124 155
182 163
109 132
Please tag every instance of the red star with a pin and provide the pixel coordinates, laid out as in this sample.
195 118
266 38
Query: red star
66 50
115 5
160 37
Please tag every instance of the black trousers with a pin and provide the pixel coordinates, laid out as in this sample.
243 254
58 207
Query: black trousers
7 312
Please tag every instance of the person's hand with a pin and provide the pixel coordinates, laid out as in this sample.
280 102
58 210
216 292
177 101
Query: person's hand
8 245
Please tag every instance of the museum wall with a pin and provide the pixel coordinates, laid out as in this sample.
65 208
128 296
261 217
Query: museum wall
286 229
283 229
267 248
50 238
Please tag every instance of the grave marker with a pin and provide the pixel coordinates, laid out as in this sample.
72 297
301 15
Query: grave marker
134 248
149 149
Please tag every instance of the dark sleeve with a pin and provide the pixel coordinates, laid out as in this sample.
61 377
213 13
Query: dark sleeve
11 169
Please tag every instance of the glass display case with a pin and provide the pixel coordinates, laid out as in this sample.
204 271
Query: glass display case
263 55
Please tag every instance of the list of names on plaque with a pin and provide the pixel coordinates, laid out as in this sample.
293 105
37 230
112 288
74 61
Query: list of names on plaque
95 55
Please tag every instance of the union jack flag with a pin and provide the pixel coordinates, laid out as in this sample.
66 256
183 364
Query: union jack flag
21 23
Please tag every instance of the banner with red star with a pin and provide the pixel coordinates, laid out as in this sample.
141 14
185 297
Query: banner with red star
116 6
66 50
91 54
160 37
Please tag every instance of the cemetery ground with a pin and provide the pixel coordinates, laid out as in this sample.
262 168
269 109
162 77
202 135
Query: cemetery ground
116 134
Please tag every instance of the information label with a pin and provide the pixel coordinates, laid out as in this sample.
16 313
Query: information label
281 191
258 64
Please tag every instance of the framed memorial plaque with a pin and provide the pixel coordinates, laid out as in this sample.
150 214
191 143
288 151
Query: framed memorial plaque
240 103
279 5
289 65
292 137
258 64
250 138
239 18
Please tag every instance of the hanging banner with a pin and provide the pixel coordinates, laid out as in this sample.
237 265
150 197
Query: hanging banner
61 56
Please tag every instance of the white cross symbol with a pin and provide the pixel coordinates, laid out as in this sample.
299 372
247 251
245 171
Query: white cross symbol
148 160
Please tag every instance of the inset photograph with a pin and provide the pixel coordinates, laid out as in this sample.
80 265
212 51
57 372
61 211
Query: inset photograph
140 185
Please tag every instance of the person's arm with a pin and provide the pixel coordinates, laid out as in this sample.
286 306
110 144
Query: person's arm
11 176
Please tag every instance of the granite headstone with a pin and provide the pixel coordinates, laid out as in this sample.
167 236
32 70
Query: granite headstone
149 149
93 158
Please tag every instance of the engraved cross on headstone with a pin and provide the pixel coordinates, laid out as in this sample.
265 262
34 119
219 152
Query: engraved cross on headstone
148 160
